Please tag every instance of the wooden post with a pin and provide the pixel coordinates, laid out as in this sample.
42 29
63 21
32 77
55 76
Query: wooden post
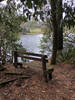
44 68
15 59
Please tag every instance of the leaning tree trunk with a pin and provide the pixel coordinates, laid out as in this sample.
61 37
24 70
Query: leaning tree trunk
55 30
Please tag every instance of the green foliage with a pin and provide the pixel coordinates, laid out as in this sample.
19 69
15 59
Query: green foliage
36 2
47 41
46 44
66 56
9 30
69 19
68 52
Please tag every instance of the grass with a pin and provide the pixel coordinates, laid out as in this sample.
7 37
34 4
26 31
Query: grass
36 31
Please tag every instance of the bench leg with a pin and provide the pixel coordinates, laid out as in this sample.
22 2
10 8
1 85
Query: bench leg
49 72
45 76
44 69
50 76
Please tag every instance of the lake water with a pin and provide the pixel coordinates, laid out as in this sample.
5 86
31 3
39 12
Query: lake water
31 42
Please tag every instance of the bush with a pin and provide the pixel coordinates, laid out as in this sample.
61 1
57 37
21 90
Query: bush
67 56
9 31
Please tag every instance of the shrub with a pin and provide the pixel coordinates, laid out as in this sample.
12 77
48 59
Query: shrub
66 56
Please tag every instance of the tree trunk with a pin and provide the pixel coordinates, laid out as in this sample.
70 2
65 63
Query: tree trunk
55 30
60 26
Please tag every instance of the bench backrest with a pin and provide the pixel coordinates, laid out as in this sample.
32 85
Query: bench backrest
28 55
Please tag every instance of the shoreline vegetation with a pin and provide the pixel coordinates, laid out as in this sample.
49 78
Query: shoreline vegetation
33 32
32 27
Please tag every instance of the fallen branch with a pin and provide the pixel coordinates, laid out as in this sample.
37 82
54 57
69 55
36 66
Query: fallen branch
5 82
13 73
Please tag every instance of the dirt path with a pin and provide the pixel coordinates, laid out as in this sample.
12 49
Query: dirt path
62 87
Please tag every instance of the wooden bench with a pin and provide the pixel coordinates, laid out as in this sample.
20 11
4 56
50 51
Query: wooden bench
34 56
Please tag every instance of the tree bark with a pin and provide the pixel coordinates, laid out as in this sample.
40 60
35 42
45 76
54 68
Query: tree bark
60 25
55 30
